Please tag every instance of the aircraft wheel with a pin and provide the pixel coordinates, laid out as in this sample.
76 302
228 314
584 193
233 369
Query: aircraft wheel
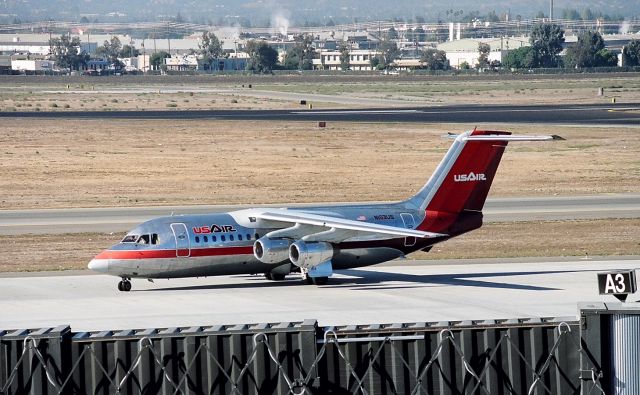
268 276
124 286
320 280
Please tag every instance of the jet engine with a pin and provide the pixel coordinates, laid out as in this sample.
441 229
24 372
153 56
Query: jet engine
271 250
308 255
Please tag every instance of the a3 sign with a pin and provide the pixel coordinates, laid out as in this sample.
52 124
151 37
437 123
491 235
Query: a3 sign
619 283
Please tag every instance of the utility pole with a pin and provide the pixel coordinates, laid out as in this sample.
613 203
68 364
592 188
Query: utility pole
550 10
168 37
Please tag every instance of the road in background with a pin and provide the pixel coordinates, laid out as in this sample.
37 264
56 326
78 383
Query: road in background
121 219
574 114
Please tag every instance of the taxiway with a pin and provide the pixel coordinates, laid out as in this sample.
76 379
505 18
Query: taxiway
407 291
573 114
120 219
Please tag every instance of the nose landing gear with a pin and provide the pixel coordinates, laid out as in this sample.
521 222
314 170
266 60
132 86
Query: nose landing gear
124 285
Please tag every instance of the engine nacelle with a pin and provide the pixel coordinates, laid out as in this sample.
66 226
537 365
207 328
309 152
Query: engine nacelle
271 250
308 255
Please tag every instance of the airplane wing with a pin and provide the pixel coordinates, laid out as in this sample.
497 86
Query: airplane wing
338 229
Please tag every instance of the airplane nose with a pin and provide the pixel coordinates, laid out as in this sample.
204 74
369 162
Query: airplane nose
99 265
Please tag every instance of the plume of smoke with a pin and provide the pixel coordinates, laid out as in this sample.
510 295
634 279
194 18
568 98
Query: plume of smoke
280 21
624 28
231 32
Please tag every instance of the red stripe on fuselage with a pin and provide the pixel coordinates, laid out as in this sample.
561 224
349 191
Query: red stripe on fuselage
159 254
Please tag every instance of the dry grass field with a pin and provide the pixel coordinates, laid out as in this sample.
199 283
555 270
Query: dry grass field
102 163
280 92
96 163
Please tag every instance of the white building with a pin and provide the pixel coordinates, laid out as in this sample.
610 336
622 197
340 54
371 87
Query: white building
136 63
32 65
182 62
466 50
359 59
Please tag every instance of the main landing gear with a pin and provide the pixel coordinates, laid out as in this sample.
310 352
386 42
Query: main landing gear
274 276
124 285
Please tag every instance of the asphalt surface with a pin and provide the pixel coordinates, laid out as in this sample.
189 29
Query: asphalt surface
575 114
415 292
121 219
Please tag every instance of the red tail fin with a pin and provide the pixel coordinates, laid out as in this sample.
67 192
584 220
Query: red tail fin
455 194
467 183
455 205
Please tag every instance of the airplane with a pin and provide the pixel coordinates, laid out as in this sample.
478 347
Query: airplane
315 241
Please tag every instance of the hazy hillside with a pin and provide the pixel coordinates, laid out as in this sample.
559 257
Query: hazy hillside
298 12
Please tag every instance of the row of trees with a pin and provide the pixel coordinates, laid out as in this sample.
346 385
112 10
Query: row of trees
546 44
67 52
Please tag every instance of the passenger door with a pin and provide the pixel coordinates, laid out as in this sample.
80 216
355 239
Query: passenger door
183 245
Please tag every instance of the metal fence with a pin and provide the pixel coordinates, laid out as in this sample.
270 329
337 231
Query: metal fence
532 356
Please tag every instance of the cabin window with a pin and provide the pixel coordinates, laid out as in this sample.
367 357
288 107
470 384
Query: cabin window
257 236
222 238
230 237
143 239
197 239
248 236
214 238
239 237
130 239
206 239
154 238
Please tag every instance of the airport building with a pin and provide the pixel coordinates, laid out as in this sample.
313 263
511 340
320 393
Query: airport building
359 59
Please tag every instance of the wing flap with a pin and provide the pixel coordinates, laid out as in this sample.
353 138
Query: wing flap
304 218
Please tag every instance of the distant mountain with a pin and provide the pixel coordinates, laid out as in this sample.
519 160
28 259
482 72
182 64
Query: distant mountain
295 12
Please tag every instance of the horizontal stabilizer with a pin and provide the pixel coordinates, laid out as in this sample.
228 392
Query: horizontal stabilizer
503 137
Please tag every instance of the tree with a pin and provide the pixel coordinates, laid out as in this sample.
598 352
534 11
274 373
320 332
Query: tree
483 55
128 51
589 51
209 47
345 58
571 14
546 44
518 58
631 53
110 50
419 34
300 57
433 59
388 53
157 60
392 34
67 53
262 57
375 63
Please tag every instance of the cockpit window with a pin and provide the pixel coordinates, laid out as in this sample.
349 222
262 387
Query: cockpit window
130 239
141 239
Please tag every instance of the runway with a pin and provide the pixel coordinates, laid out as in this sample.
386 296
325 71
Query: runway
120 219
574 114
410 291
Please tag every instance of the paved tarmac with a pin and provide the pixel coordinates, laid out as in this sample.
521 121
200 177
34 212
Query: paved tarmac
417 291
574 114
120 219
